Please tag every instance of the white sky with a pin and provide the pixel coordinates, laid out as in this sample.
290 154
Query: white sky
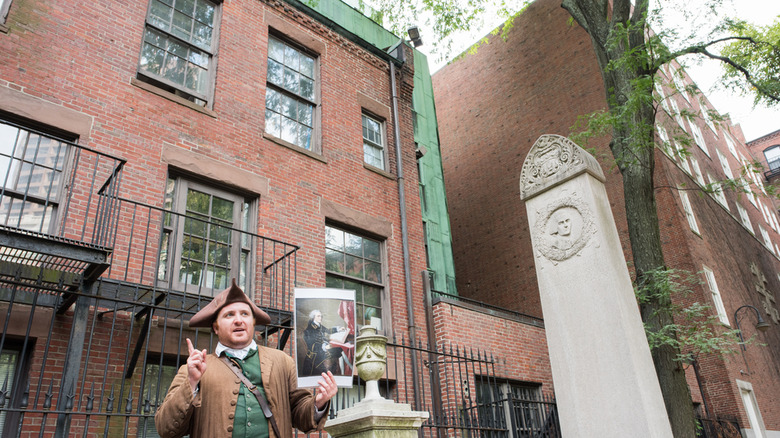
755 122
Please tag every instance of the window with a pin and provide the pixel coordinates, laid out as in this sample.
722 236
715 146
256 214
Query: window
679 83
177 54
683 155
32 172
772 155
662 98
699 138
717 191
204 238
730 143
688 210
716 297
751 409
745 218
724 163
290 99
767 240
156 381
676 113
13 375
705 113
518 406
665 144
4 6
697 171
373 142
355 262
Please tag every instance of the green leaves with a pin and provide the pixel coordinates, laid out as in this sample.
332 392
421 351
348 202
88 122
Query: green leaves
695 329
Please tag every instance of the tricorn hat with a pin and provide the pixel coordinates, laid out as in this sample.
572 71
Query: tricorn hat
233 294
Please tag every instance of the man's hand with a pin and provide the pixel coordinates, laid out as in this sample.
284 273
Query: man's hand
196 364
326 390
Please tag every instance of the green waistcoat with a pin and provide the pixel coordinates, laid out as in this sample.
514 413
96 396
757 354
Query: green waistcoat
249 420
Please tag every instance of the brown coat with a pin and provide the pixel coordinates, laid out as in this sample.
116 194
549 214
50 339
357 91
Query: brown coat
209 414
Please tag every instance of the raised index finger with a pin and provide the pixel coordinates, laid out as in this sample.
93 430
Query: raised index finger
190 348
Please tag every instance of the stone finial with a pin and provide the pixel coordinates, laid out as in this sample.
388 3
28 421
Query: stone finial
552 160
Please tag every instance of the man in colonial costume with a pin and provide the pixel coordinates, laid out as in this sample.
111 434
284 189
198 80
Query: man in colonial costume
242 389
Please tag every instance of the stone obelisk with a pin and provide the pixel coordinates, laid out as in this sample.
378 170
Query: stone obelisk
605 382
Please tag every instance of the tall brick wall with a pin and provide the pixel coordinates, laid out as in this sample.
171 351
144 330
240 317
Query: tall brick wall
493 105
85 59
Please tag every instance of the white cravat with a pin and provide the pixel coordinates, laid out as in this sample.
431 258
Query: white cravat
239 353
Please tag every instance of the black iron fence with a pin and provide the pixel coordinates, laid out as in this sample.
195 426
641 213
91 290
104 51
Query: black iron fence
720 428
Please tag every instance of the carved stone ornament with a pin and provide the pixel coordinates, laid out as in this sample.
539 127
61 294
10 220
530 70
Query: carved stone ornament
563 228
552 160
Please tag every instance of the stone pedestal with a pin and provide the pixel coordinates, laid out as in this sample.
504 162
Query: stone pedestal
605 382
376 419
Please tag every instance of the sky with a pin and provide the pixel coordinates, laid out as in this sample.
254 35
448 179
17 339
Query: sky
755 122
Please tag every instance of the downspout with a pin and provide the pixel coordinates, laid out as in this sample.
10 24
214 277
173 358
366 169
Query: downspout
402 201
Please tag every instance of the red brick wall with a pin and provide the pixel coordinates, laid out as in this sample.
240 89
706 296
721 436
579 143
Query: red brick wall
85 59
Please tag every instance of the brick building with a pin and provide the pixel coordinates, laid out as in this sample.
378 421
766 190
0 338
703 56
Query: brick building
493 105
151 151
766 151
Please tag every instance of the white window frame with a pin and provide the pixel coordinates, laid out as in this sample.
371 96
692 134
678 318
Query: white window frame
677 115
767 239
745 218
717 299
197 54
706 116
289 98
681 153
372 143
666 145
751 409
688 210
241 245
697 171
731 145
724 163
5 6
699 138
679 83
717 192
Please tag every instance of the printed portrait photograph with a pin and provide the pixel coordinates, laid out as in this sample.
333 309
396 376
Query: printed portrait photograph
325 333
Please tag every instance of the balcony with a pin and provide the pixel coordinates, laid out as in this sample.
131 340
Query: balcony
58 208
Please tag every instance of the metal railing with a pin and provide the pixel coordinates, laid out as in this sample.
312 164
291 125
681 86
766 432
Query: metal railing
719 428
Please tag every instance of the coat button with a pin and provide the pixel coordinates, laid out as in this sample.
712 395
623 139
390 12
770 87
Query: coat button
232 402
231 416
249 408
235 391
248 424
230 428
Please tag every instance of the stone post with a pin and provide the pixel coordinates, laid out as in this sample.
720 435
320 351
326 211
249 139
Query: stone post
374 416
605 382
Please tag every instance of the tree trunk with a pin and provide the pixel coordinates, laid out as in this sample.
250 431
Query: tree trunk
623 59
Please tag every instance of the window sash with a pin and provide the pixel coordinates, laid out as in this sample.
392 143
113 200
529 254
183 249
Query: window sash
716 297
177 57
291 94
213 248
354 261
33 169
373 142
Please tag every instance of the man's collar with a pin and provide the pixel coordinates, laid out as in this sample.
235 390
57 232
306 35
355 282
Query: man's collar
239 353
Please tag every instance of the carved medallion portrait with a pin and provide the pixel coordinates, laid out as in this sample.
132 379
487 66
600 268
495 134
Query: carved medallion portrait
563 228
